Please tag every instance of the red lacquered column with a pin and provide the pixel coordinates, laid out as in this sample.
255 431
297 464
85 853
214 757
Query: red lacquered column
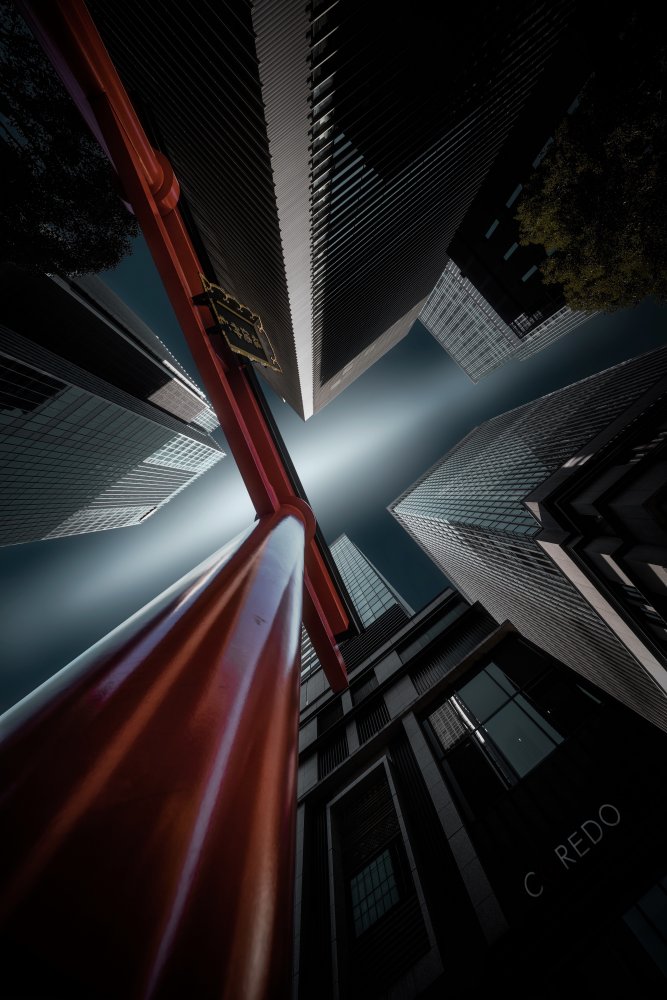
148 794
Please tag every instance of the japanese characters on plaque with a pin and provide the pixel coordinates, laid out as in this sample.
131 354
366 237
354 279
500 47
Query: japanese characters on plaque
241 328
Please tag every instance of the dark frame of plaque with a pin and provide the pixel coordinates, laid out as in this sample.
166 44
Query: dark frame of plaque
241 328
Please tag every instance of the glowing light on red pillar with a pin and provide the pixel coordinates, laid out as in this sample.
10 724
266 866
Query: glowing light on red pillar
148 813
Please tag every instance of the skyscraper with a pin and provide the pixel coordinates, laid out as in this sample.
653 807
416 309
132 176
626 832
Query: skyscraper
551 516
466 324
99 424
327 153
380 609
371 593
490 303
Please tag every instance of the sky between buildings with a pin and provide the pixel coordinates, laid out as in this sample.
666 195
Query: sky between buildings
57 597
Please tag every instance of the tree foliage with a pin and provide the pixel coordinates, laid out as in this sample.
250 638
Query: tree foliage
61 212
598 201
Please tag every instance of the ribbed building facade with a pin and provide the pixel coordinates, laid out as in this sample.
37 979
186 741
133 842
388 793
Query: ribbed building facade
379 608
81 452
328 152
471 514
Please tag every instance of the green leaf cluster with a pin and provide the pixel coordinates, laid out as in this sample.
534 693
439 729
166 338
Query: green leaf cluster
598 201
60 210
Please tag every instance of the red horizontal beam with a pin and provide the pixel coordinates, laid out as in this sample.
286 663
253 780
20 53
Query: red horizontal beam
72 42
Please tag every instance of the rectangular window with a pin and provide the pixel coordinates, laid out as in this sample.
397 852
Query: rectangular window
511 250
503 721
374 891
647 920
492 228
514 195
523 741
483 696
510 713
529 273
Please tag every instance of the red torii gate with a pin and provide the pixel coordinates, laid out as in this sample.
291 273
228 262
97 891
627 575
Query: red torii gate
150 789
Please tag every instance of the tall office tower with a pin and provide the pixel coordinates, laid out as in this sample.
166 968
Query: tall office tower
371 593
328 152
466 324
100 425
379 608
553 516
490 303
470 823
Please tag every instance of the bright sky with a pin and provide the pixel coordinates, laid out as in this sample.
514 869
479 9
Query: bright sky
353 458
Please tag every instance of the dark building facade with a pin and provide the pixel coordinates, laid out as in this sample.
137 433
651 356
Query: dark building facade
490 303
553 517
99 423
322 146
604 523
470 821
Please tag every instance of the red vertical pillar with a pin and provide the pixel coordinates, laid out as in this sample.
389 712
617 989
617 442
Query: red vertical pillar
148 806
69 37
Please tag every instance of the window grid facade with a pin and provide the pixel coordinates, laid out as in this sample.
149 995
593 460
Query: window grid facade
356 202
463 322
74 461
206 419
369 593
102 519
551 329
467 513
183 403
374 891
182 453
23 388
309 660
476 337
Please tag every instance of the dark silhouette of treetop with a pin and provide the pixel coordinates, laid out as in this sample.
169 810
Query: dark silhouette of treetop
60 212
598 202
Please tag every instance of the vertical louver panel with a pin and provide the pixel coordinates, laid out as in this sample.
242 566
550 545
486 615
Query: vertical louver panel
332 754
374 717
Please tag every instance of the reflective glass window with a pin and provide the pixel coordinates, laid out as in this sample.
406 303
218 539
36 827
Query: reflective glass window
522 741
374 891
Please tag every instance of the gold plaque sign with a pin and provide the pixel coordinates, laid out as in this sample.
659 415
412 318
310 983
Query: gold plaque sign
241 328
